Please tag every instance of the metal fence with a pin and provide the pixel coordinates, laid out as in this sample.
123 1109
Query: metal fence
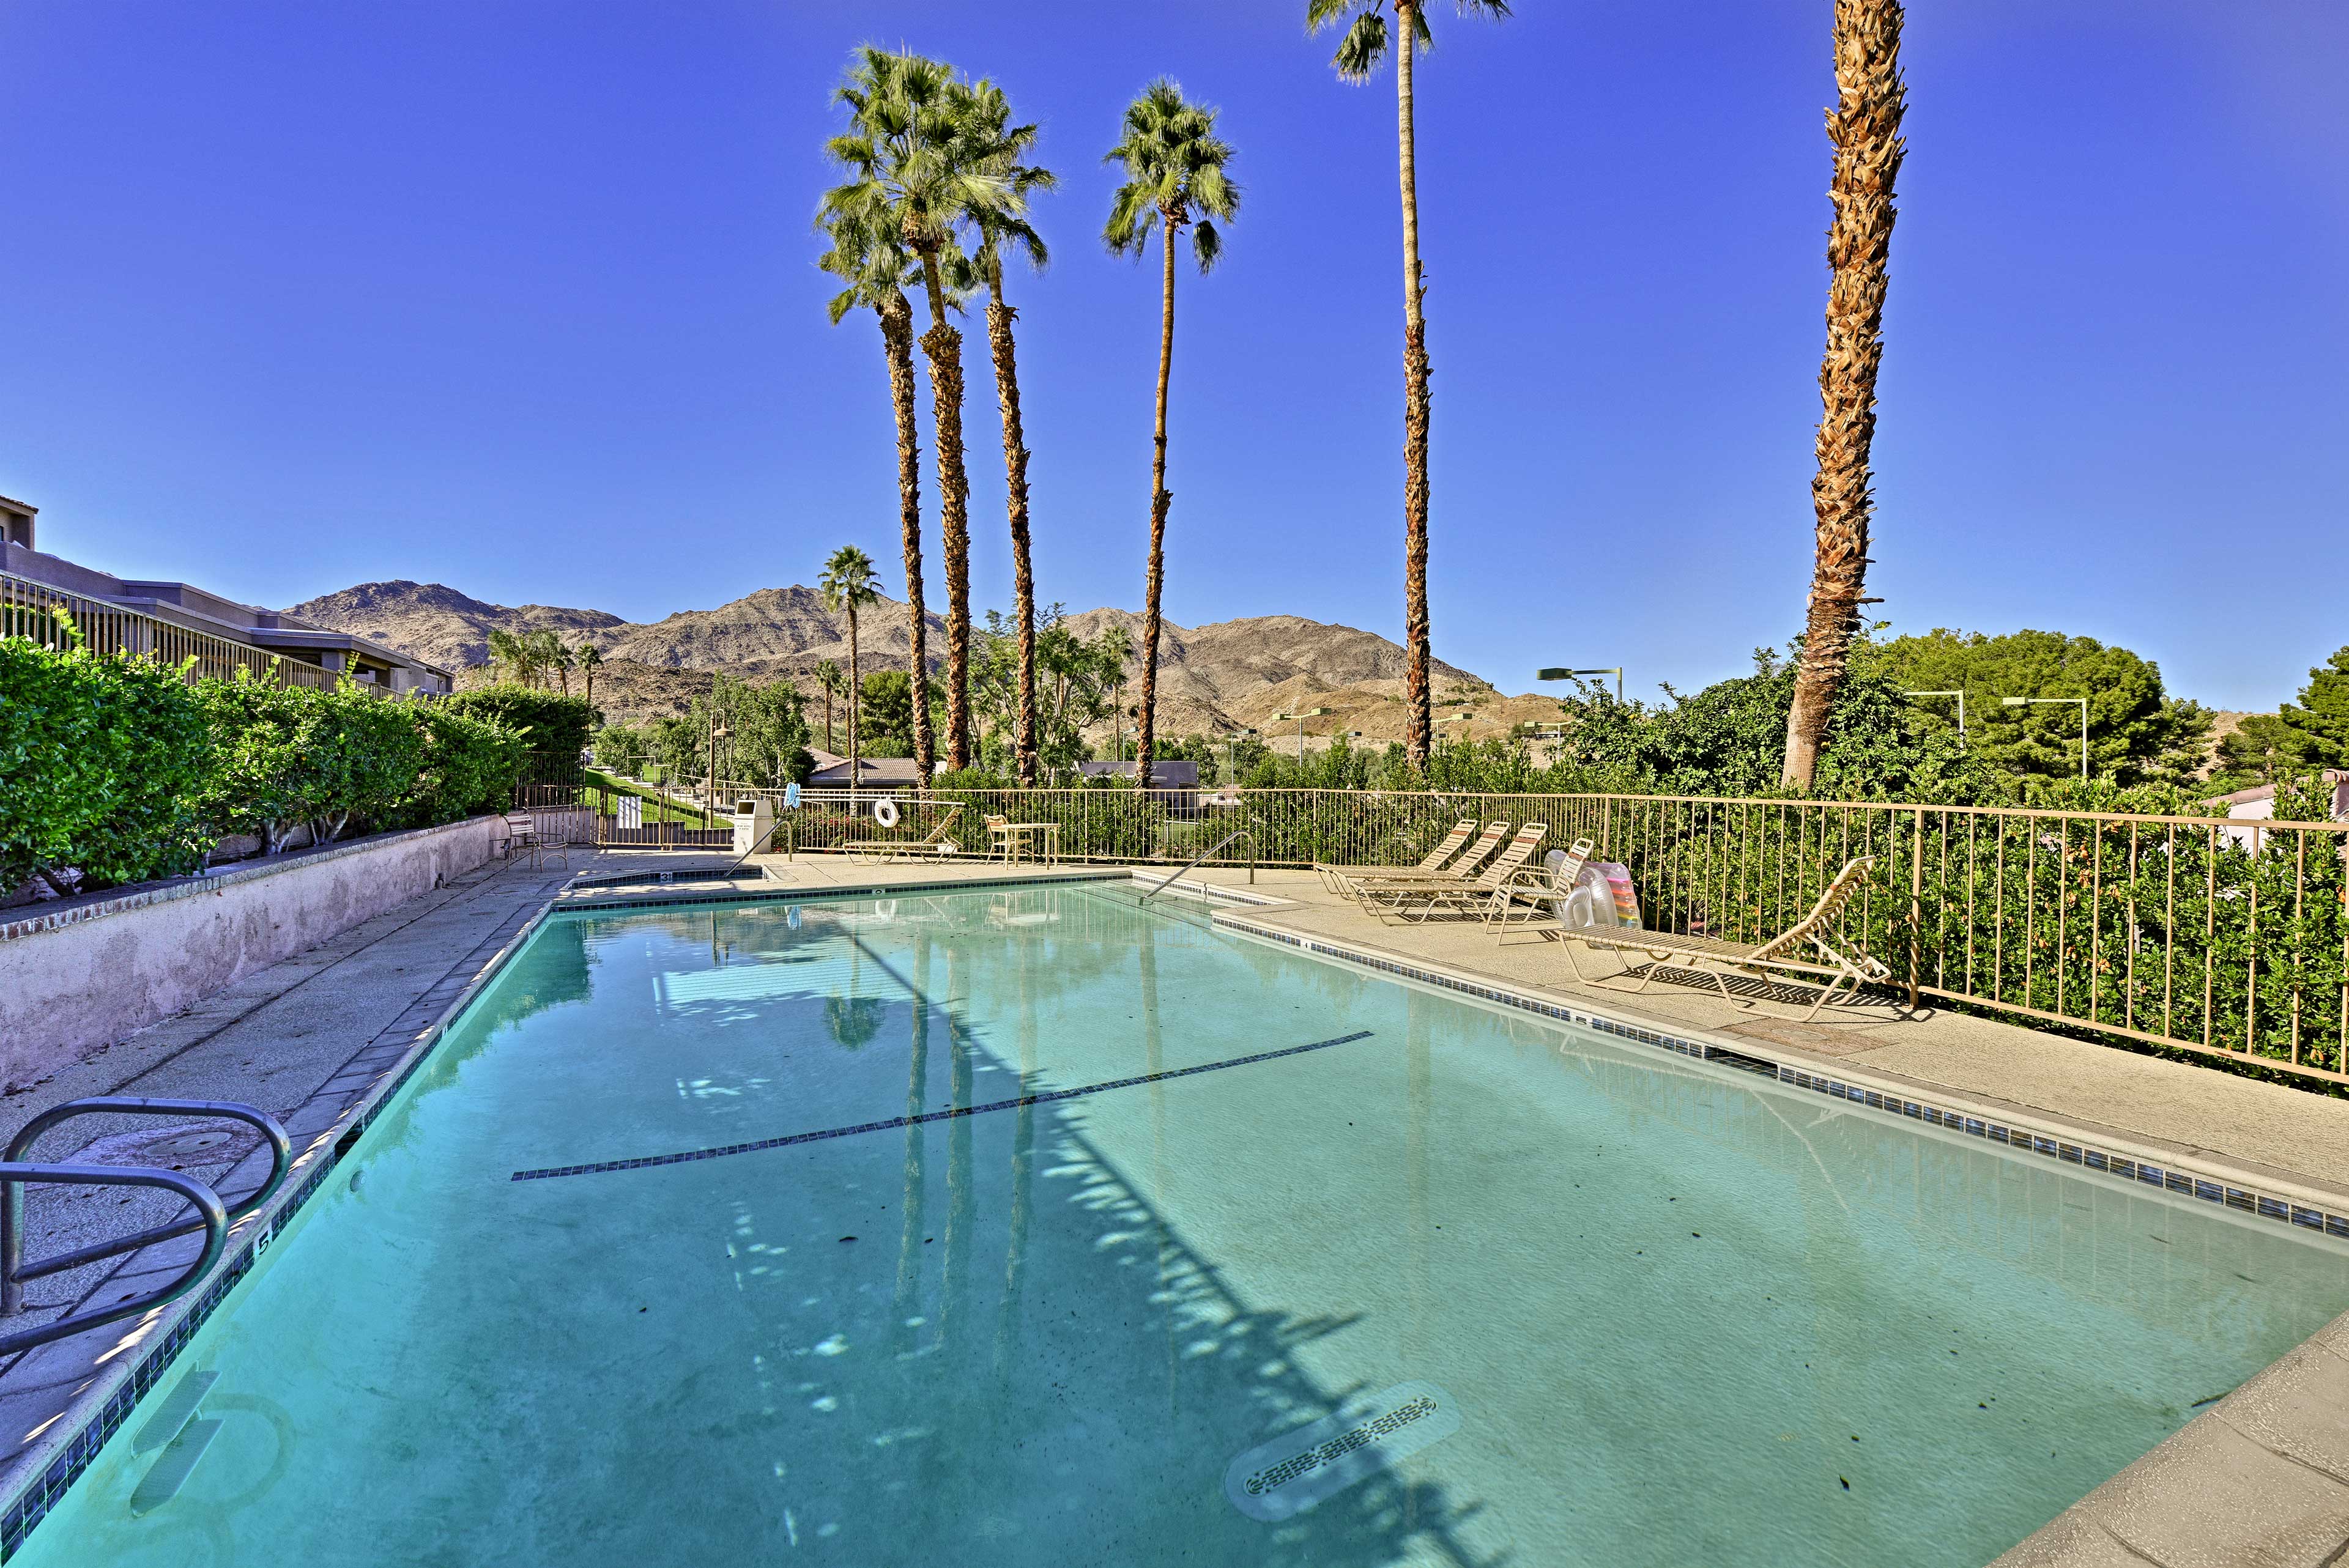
36 611
2222 937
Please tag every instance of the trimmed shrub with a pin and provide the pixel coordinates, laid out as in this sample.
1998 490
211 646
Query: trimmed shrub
554 728
104 759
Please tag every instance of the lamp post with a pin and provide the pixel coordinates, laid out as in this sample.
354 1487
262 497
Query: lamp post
1961 710
1301 718
1557 675
2027 701
1232 750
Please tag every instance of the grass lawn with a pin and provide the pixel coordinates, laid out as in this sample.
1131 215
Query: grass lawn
656 808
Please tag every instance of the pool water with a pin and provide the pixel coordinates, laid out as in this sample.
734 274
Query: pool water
1454 1286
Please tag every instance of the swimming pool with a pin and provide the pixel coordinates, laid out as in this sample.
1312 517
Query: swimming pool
1029 1226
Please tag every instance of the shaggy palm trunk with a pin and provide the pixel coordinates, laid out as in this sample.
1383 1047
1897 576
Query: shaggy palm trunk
1865 130
1418 727
943 344
830 742
1146 731
1000 317
897 335
853 696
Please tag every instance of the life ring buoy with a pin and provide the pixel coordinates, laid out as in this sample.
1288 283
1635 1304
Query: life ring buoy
884 811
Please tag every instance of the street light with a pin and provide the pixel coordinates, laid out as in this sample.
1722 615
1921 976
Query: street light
1961 710
2027 701
1232 750
1617 671
1301 718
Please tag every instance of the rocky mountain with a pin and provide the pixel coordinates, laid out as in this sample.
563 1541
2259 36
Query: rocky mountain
1213 678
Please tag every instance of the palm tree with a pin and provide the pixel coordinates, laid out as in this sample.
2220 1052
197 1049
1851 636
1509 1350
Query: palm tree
915 161
1358 52
549 656
1865 130
591 658
1174 179
848 583
829 679
873 262
997 229
515 655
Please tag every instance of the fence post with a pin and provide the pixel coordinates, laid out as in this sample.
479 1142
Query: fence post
1916 903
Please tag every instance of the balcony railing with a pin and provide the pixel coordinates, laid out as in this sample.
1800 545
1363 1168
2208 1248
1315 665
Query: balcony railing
36 610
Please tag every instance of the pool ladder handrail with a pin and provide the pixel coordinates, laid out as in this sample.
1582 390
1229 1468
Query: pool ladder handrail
1208 855
213 1216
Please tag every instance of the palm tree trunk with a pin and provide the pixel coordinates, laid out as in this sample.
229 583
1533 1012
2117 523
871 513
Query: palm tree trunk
1419 730
1145 736
1865 130
853 693
1000 317
943 344
897 335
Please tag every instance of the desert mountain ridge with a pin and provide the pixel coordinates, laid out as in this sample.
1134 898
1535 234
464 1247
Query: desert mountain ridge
1212 678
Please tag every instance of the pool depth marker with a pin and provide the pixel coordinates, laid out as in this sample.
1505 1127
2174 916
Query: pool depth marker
895 1121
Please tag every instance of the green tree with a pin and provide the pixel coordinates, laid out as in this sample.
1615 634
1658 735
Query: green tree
917 159
1365 43
869 256
1176 179
1864 128
2137 732
884 715
2320 719
848 584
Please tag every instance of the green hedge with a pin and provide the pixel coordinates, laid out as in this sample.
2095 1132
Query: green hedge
123 771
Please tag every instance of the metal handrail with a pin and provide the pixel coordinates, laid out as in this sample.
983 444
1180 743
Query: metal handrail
1210 854
15 1170
210 1218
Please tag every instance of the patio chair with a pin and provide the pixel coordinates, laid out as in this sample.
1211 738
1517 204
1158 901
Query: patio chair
551 834
1472 859
1776 956
1536 889
1339 878
999 836
521 836
933 843
1424 900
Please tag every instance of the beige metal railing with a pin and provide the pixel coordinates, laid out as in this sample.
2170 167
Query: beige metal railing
36 610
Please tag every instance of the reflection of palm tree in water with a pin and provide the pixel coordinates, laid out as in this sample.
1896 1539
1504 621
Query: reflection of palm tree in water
961 1197
908 1293
852 1020
1023 1175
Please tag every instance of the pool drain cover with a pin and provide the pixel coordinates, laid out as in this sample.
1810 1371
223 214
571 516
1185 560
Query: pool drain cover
1283 1477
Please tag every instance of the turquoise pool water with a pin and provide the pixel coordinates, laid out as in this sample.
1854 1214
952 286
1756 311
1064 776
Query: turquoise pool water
1452 1286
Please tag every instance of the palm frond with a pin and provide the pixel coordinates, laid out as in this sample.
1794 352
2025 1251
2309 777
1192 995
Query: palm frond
1321 14
1362 48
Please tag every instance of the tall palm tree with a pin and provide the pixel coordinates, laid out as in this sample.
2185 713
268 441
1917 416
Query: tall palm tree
998 230
873 262
1864 128
828 680
915 160
848 583
1175 178
516 654
591 658
1365 44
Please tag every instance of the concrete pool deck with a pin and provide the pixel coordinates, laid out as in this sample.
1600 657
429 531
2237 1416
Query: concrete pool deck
2260 1478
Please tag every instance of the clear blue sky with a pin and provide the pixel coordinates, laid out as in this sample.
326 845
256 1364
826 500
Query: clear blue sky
520 297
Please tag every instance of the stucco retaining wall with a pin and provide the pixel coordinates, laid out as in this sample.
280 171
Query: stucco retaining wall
87 976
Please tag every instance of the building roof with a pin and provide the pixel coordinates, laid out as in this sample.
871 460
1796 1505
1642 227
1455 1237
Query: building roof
1162 771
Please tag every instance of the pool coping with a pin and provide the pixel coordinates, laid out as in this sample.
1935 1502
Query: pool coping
137 1360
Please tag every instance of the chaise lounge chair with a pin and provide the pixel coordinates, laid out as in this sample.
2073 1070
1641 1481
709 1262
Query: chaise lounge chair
933 843
1340 880
1776 956
1423 900
1534 888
